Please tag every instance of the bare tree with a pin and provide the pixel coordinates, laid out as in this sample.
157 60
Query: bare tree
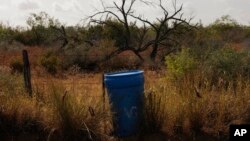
162 28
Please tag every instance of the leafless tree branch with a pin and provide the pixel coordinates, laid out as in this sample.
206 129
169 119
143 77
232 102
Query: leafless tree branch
166 26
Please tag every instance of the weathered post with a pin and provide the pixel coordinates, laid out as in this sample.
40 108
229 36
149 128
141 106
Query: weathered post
104 99
103 92
26 72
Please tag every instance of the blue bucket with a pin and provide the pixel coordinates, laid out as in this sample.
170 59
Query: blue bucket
125 91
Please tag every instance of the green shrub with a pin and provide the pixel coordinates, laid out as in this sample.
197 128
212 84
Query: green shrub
16 66
226 63
180 64
50 62
76 56
246 64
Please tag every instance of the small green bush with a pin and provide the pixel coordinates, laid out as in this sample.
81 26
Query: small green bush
226 62
16 66
50 62
180 64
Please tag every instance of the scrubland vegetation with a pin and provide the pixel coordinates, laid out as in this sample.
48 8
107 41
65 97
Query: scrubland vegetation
177 109
197 81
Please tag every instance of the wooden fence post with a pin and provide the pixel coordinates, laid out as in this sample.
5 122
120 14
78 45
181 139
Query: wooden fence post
104 99
103 92
26 72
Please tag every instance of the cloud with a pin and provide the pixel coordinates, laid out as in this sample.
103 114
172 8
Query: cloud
72 11
28 5
58 8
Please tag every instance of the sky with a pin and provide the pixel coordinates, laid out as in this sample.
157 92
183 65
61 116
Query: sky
71 12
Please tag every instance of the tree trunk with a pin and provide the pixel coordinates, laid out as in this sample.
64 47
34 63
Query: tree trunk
154 52
65 39
138 55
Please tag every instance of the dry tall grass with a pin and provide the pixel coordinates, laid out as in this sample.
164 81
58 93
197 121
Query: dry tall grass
182 109
178 109
53 112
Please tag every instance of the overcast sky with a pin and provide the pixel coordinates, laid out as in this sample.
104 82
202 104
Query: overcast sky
70 12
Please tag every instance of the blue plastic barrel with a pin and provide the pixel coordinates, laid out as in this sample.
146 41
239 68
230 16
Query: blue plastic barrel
125 91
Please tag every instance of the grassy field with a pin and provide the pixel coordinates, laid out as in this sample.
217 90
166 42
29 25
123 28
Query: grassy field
195 96
71 108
